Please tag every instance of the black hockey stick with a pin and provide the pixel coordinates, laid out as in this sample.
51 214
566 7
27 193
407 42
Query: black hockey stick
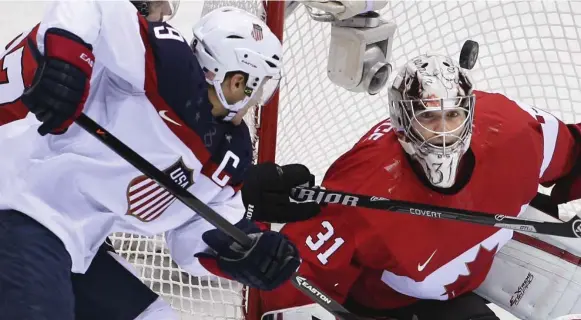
569 229
202 209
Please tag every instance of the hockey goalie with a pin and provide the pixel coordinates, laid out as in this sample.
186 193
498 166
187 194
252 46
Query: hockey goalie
449 145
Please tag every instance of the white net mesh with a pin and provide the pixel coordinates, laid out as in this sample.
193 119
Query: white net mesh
204 298
528 50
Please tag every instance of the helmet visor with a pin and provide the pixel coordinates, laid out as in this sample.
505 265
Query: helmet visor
265 91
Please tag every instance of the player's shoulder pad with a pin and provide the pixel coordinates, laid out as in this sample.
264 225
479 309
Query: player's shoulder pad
180 79
309 311
509 125
515 117
182 84
377 132
229 145
357 164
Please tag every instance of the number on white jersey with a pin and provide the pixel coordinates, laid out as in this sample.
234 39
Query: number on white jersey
322 238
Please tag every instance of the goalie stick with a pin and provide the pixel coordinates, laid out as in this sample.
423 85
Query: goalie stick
569 229
203 210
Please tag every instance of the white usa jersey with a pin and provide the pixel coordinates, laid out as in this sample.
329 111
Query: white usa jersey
148 90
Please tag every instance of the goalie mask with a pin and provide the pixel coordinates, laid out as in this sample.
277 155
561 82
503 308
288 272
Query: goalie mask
431 109
229 39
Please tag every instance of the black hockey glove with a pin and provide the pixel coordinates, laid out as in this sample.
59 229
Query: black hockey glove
269 263
266 191
61 81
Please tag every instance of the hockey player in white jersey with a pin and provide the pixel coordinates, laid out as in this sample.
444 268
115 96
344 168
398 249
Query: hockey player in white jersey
110 287
62 192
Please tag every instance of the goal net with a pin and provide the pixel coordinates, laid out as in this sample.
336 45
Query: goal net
530 51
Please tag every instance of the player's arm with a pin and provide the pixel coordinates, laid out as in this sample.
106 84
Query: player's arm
554 146
270 261
561 156
64 47
567 159
184 242
556 150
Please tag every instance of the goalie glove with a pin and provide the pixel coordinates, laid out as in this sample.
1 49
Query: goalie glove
343 10
266 192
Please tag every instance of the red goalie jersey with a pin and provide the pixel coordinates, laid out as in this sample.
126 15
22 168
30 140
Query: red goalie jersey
377 260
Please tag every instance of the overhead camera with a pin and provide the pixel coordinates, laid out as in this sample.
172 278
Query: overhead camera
360 51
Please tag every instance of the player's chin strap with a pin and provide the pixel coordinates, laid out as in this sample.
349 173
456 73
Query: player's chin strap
232 109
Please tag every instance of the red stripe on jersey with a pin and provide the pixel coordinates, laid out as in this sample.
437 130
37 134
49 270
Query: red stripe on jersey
182 131
209 168
145 185
237 187
15 110
12 41
548 248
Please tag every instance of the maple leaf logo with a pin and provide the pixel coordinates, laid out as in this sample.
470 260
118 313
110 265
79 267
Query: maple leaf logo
477 271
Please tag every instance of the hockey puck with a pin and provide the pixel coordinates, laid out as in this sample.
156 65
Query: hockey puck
469 54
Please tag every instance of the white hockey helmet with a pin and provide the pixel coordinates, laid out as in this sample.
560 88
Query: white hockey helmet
230 39
431 109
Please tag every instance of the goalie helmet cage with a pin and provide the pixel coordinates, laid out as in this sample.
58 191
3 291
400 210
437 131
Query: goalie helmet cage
530 51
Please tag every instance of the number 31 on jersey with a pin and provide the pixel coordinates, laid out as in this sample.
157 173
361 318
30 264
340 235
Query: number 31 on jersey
321 239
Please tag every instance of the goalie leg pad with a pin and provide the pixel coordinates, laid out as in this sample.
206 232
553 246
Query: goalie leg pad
35 271
309 311
536 277
469 306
